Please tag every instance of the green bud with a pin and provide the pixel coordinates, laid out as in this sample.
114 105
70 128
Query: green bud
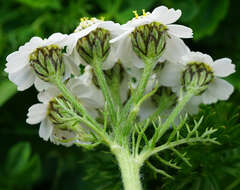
58 115
94 45
47 62
197 75
149 40
62 115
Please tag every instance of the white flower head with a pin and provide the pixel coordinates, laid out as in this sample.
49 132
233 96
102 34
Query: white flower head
90 97
161 15
217 88
18 64
86 27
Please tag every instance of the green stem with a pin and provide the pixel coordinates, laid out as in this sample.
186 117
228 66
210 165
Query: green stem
70 97
115 84
105 89
130 168
128 115
145 155
89 121
149 65
175 113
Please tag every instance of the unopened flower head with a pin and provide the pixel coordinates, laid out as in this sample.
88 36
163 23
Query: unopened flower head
149 40
47 62
95 45
151 35
91 41
57 115
196 74
58 112
200 70
36 60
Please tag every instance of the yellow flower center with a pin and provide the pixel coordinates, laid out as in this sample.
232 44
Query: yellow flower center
141 16
86 22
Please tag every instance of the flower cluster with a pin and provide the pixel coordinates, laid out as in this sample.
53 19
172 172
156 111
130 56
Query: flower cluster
102 52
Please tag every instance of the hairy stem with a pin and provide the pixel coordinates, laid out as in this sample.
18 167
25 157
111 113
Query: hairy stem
149 65
129 167
97 65
171 118
89 121
145 155
128 115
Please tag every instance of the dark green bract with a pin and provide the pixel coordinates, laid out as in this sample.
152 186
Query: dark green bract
47 62
94 46
149 40
200 73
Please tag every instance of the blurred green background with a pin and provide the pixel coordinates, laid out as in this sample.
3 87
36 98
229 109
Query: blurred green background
27 162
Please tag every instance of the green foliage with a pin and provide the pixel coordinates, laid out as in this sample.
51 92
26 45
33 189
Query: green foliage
21 169
202 16
216 27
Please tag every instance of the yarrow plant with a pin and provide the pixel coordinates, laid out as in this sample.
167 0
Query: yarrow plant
129 87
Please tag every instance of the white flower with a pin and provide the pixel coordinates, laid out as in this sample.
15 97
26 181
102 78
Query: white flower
218 89
89 96
87 26
18 63
161 15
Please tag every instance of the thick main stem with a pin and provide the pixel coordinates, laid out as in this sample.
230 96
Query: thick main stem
130 169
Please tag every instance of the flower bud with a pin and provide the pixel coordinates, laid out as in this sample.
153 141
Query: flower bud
62 115
94 45
197 75
149 40
47 62
58 115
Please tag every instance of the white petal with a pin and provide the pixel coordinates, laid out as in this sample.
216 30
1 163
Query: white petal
175 49
180 31
23 78
34 43
219 89
36 113
72 63
56 39
192 107
46 95
123 35
127 56
170 75
147 108
223 67
41 85
16 61
197 57
45 129
115 29
166 16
